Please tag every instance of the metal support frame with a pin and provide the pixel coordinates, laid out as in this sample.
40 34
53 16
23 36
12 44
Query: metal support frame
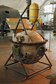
28 3
7 64
21 19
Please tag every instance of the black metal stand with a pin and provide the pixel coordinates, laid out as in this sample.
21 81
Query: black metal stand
7 64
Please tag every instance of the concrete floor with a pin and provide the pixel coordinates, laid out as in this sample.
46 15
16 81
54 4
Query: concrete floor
11 77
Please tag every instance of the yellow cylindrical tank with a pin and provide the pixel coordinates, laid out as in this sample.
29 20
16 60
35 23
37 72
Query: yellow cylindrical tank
33 12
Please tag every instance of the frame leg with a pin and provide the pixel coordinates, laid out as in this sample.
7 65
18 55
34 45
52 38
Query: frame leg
8 59
48 64
7 64
48 61
25 72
